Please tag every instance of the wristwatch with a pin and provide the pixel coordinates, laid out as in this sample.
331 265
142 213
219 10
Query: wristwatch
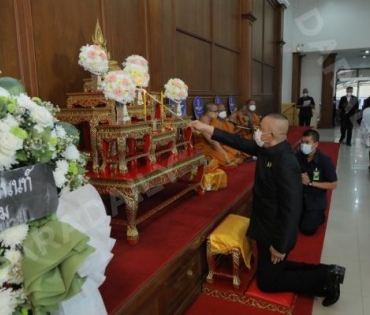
310 184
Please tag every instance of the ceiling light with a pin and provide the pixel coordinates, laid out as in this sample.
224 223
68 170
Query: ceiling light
367 51
364 57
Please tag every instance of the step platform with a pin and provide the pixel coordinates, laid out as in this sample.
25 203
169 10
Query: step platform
282 303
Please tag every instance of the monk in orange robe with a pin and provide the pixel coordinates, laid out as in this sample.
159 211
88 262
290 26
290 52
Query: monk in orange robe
245 119
212 149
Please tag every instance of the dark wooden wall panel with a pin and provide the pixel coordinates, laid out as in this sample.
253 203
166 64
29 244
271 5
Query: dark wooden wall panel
268 79
269 35
226 23
9 60
257 82
193 62
258 30
207 43
194 16
226 71
129 29
267 54
59 31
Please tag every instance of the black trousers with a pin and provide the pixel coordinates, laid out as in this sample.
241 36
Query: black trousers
346 126
311 220
289 276
305 121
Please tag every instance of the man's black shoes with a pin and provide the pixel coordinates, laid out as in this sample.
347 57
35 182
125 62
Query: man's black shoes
335 278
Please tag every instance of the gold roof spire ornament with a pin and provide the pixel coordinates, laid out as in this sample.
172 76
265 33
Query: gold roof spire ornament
98 39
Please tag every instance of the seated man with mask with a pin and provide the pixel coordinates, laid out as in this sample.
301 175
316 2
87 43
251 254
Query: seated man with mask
318 176
213 150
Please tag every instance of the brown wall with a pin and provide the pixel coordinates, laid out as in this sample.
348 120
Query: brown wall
209 44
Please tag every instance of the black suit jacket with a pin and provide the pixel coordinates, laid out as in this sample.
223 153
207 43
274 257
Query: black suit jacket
343 104
277 192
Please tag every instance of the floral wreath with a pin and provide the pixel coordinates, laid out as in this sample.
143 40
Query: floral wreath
30 134
119 86
137 68
94 59
176 89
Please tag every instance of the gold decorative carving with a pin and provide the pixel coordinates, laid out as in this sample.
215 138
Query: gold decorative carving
248 300
129 187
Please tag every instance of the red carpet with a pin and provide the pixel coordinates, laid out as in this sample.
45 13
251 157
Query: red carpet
166 234
308 249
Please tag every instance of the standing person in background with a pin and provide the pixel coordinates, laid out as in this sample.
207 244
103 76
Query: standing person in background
365 124
348 107
305 104
334 110
318 176
276 211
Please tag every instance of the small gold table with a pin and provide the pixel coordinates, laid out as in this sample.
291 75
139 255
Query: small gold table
129 185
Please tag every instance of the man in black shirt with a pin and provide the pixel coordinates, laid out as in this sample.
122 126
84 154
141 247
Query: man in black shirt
305 104
318 176
276 211
348 107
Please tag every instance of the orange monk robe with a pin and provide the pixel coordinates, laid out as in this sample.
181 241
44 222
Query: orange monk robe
209 151
241 121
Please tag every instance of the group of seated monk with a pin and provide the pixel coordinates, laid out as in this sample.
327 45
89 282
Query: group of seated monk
243 121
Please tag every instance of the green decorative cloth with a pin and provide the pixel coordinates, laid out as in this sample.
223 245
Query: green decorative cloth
53 252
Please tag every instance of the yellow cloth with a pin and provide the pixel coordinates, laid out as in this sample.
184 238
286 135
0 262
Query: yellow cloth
231 233
213 178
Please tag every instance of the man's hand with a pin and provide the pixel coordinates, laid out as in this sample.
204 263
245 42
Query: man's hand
202 127
305 179
276 257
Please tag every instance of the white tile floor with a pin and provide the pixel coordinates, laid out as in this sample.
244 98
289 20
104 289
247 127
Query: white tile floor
347 240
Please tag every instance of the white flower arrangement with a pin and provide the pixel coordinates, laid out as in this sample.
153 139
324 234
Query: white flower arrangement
30 134
137 68
176 89
119 86
94 59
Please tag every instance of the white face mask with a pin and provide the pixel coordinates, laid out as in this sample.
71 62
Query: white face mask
306 148
252 108
257 138
222 114
305 94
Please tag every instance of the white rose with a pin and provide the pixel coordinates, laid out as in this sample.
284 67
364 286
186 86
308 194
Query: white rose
9 143
4 127
10 121
71 153
25 102
6 162
42 116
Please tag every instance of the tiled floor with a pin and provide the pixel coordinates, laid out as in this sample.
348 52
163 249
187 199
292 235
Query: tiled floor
347 240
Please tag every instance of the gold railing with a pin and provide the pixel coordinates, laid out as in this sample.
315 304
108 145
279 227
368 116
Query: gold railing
291 112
